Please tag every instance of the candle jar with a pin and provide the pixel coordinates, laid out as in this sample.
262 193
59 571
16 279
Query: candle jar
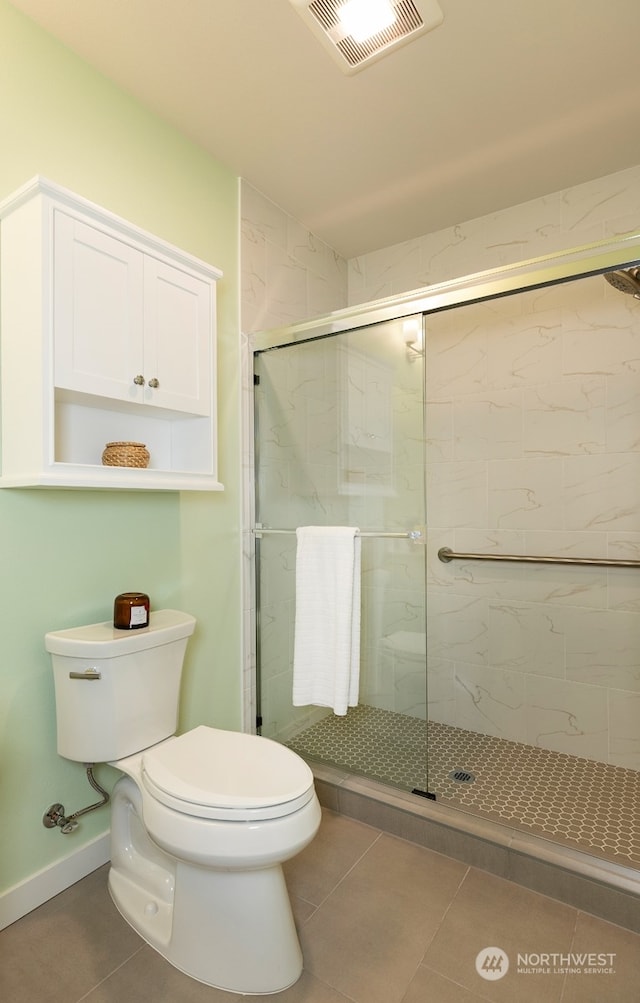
131 611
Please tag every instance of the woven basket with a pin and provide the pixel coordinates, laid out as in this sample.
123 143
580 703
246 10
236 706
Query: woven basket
125 454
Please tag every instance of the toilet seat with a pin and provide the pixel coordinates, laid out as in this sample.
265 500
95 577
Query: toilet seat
226 775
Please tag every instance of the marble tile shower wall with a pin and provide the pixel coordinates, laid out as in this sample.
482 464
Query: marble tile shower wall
533 447
288 274
583 214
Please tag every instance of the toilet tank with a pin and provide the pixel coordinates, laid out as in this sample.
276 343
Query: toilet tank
117 692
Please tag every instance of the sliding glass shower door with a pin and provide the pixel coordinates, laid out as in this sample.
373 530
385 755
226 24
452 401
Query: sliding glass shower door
340 441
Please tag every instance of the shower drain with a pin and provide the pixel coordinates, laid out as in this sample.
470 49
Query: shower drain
462 776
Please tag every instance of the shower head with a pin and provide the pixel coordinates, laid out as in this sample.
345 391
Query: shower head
625 280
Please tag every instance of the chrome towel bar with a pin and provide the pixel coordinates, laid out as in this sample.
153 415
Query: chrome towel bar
446 554
413 534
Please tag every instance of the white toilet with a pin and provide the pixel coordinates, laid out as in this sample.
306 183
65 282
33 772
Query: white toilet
200 823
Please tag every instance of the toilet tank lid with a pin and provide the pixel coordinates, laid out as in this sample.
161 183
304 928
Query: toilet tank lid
226 769
103 640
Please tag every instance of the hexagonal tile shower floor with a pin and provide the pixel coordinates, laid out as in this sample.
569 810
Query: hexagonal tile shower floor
589 805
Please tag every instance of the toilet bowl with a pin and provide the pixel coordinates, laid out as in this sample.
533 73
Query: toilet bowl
197 853
201 823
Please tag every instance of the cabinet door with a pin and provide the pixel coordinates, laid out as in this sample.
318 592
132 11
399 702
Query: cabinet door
98 311
178 308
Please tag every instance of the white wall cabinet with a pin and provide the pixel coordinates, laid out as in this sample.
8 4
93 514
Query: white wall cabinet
108 333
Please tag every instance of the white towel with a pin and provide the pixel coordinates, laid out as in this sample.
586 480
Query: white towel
326 661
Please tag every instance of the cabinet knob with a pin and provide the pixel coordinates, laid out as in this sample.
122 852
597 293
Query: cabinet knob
154 383
138 380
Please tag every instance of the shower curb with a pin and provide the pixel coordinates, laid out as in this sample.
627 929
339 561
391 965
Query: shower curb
592 884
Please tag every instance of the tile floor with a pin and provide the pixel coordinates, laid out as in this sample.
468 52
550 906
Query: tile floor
381 920
591 806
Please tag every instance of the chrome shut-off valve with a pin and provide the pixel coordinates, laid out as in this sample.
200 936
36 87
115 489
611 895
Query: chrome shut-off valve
55 816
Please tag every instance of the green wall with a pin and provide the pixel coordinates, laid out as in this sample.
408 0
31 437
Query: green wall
65 554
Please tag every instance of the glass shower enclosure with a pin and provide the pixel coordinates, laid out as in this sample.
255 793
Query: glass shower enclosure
484 435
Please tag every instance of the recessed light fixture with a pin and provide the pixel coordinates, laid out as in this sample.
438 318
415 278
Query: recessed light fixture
358 32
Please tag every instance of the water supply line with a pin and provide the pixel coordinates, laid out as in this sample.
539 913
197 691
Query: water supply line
54 817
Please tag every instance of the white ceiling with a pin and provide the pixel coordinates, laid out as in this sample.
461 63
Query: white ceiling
505 101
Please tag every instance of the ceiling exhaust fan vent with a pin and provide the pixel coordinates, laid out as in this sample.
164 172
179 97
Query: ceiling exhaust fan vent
411 18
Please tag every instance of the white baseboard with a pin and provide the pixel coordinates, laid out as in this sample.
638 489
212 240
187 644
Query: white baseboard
43 885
